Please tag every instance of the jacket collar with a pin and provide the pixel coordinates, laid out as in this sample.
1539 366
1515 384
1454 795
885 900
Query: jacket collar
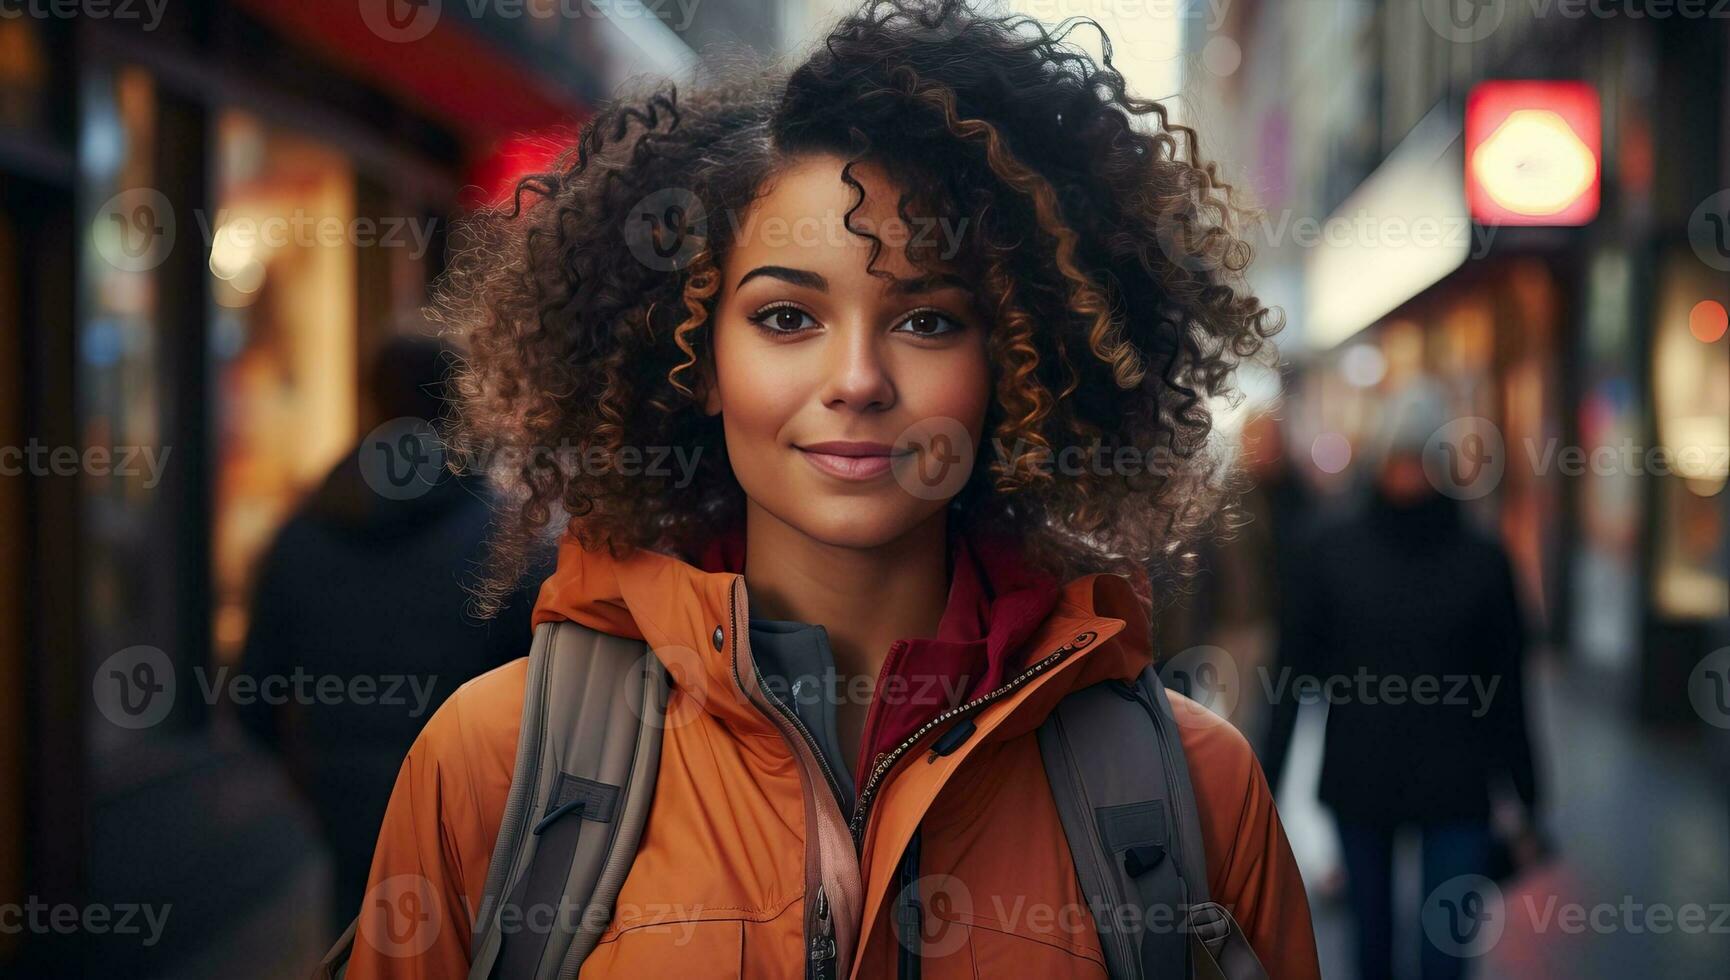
1001 615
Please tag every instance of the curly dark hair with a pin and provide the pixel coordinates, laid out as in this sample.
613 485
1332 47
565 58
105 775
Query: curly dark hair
1102 253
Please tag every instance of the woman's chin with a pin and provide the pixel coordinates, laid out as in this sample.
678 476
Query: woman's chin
851 522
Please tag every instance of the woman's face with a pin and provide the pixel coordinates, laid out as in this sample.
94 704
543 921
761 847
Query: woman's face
852 405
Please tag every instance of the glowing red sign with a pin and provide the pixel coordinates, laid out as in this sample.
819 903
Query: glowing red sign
1533 152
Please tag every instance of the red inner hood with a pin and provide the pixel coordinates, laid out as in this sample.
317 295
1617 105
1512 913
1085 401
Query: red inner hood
996 602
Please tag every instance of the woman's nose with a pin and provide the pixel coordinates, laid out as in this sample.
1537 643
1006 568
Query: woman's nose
858 373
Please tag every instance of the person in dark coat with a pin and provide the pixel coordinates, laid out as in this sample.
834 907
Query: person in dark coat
361 622
1405 620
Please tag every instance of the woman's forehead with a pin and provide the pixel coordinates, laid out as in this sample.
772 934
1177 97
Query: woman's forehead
808 219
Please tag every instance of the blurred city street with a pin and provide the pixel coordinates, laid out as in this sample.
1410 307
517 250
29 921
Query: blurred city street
1493 441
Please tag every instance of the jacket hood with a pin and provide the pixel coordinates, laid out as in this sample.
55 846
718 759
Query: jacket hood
1001 614
347 503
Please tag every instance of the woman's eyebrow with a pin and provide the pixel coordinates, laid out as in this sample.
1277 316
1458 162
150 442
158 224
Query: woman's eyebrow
798 277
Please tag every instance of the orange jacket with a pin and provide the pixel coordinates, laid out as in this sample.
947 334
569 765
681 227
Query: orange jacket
743 828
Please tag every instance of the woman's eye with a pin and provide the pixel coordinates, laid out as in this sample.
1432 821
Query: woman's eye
783 319
929 323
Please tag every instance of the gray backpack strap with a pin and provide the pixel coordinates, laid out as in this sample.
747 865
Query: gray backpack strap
1115 762
593 710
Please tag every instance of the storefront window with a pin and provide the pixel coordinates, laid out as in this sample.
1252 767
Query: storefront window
283 336
1691 393
1606 606
119 336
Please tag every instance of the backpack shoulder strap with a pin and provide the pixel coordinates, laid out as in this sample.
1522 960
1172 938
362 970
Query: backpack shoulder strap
593 711
1115 762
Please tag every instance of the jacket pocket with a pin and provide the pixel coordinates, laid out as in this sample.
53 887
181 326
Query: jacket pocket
995 953
682 950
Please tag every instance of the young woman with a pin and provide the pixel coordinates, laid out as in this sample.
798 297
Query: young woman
901 363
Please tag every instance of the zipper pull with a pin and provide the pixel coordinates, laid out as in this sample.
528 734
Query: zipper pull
822 965
952 740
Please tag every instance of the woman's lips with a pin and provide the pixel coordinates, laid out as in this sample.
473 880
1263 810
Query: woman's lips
850 461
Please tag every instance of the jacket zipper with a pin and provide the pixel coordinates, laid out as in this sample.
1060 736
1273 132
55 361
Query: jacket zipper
787 713
820 964
886 761
822 958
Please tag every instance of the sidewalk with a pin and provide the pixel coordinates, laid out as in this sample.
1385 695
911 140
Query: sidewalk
1640 830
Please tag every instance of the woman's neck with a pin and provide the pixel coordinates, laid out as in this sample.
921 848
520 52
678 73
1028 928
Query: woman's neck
865 599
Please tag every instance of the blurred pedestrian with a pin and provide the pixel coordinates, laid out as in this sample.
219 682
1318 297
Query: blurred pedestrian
1238 590
370 590
1405 620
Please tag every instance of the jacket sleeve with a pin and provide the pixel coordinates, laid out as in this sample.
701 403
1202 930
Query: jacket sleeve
1301 626
1505 641
1251 870
414 920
